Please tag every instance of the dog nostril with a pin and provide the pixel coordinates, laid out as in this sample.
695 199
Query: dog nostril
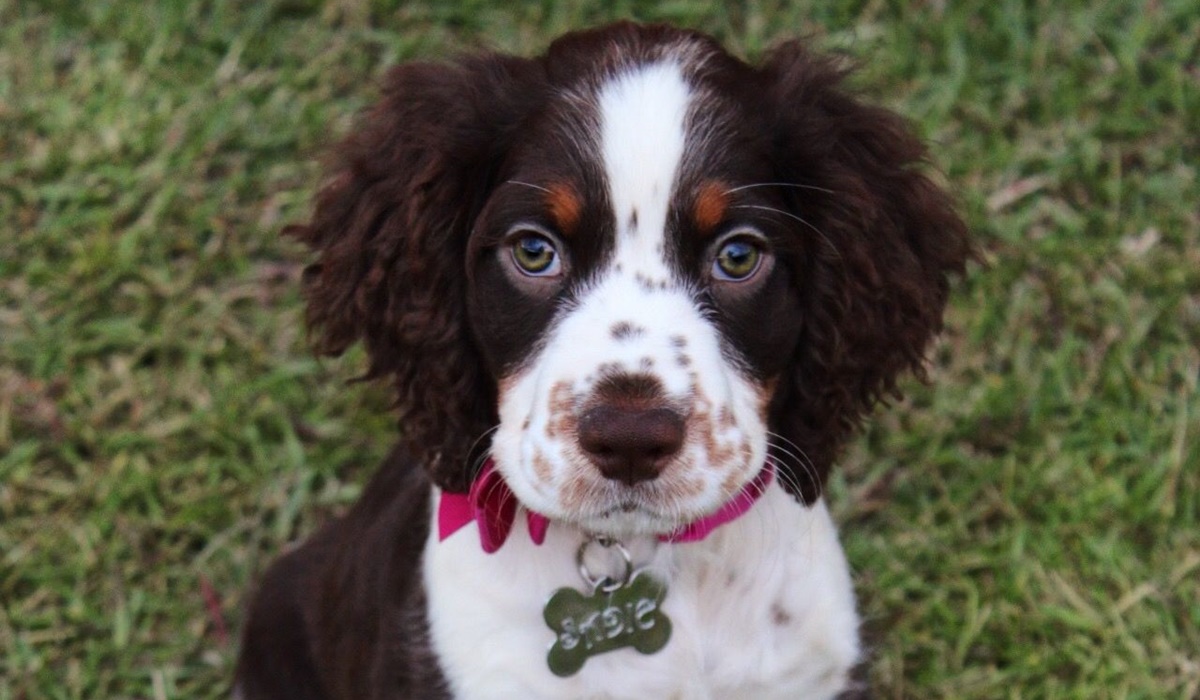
630 445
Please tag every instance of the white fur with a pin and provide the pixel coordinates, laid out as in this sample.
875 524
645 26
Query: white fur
763 608
643 118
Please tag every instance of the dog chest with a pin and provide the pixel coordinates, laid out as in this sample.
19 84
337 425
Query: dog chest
762 608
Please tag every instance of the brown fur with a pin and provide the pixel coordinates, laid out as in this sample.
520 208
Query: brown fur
874 298
565 207
711 203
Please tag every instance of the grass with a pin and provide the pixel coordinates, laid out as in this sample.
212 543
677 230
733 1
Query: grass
1028 526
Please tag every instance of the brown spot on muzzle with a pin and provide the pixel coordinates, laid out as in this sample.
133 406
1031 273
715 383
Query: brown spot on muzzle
541 468
629 390
562 410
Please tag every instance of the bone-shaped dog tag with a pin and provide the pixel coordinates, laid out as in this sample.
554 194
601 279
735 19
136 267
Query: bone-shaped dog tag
613 617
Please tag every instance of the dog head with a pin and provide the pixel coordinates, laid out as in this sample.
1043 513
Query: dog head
631 270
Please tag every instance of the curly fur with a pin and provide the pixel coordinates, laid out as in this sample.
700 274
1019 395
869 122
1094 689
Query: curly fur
879 283
391 229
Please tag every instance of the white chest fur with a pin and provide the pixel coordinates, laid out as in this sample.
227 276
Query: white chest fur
762 608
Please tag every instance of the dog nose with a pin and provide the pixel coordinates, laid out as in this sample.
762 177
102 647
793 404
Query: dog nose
630 445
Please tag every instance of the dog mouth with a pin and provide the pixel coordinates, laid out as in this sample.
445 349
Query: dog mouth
621 523
637 514
692 488
625 508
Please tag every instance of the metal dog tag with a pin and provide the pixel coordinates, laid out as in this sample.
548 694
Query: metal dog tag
617 614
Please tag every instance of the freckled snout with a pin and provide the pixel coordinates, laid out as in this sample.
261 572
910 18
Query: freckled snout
630 445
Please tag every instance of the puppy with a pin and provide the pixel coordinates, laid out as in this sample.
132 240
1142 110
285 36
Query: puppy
633 295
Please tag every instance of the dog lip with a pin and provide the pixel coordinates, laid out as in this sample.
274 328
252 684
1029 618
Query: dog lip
625 507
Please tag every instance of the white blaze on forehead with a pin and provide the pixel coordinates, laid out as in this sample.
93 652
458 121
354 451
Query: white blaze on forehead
643 114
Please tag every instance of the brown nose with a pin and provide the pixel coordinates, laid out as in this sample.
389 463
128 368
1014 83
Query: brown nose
630 445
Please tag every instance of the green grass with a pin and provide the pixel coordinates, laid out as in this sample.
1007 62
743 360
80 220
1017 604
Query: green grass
1028 526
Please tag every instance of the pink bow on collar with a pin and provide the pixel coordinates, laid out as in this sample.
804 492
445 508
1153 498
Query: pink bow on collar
493 507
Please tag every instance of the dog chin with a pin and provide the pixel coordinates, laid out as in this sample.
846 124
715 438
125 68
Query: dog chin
619 523
634 519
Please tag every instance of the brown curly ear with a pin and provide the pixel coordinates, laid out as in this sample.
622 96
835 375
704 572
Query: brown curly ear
390 230
875 279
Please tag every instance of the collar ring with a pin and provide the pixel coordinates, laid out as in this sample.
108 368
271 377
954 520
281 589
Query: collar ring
605 584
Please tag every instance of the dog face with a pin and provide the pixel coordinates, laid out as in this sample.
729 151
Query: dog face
631 269
628 293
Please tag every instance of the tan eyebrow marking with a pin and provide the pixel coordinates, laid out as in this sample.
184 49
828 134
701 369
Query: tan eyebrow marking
712 199
565 206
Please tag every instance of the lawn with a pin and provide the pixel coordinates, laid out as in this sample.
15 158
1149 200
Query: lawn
1027 525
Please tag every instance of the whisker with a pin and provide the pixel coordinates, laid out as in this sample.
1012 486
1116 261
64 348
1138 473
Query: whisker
810 467
787 478
527 184
780 184
505 493
790 215
477 464
473 467
801 458
789 442
484 434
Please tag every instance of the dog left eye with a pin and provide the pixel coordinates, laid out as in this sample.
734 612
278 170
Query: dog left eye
536 255
737 259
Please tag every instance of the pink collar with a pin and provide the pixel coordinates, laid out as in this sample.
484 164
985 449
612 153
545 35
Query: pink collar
492 505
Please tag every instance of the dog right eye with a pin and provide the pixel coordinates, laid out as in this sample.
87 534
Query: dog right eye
535 255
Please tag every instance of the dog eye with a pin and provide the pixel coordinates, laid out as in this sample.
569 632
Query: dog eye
536 255
738 259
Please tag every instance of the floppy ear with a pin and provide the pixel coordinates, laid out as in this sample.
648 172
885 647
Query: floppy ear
874 280
390 232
